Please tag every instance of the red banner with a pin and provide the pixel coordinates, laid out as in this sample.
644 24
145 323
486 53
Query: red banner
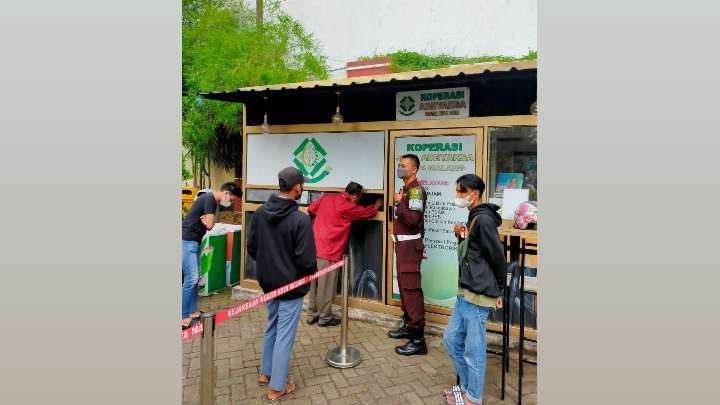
225 314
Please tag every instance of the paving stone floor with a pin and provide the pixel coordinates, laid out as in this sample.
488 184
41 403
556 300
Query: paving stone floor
382 377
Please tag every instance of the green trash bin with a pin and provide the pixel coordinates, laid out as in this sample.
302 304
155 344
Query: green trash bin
212 263
232 258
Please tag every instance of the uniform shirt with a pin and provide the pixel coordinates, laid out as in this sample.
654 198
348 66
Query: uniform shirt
334 214
192 228
409 216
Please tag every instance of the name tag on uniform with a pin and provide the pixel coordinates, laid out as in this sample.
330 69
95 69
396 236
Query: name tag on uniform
415 204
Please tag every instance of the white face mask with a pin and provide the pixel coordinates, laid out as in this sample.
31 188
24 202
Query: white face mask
463 202
226 203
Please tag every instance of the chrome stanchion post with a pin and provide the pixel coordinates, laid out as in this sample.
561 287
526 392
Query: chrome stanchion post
207 360
344 356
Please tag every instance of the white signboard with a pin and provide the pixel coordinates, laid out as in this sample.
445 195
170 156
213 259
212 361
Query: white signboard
432 104
442 160
327 159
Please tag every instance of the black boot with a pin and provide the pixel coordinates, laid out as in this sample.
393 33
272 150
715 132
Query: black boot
399 333
413 346
416 344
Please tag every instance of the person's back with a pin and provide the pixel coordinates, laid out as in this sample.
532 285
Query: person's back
193 229
282 245
280 239
334 214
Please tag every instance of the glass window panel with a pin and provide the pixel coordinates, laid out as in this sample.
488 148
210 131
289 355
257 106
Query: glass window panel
512 160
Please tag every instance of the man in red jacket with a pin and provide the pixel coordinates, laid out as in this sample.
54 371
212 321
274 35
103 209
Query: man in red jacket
334 214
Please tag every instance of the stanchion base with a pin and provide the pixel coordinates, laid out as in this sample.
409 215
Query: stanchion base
343 359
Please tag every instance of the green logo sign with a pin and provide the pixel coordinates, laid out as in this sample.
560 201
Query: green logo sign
309 158
407 106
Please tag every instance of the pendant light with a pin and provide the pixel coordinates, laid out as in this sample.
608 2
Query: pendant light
265 127
337 118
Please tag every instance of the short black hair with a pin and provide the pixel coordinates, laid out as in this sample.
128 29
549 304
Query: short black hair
232 188
414 158
472 182
284 186
288 178
354 189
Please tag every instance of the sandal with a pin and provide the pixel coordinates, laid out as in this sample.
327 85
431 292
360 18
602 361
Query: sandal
454 396
190 324
263 380
291 387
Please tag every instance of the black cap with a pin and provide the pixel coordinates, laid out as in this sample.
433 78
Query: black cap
289 177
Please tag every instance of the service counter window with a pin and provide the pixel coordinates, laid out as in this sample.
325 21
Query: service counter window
512 164
365 249
512 161
365 246
260 196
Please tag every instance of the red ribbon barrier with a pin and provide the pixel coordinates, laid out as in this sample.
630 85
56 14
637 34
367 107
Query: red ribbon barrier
193 331
225 314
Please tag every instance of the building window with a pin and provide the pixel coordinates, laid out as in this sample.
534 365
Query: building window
512 161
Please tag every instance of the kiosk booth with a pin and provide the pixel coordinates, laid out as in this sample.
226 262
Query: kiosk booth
470 118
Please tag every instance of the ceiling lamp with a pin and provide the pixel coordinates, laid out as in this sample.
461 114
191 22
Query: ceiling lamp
337 118
265 127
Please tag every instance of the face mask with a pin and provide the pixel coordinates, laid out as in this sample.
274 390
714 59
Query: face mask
401 172
226 203
462 202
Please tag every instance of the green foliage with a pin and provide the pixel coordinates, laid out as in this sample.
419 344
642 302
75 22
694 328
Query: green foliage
224 50
186 174
405 61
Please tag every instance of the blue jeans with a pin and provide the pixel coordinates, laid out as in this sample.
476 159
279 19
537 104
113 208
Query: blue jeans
190 273
280 331
466 342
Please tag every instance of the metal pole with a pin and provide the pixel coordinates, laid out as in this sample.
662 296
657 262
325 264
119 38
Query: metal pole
207 360
344 356
344 315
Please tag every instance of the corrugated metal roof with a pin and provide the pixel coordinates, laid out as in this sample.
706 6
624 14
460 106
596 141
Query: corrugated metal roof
455 71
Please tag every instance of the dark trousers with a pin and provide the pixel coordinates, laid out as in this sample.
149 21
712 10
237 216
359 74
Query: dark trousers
411 293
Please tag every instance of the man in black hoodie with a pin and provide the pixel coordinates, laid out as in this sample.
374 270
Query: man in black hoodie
281 241
481 280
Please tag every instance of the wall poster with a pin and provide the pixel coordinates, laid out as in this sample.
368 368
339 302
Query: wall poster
443 159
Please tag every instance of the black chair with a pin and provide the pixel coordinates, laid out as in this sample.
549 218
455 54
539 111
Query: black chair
529 247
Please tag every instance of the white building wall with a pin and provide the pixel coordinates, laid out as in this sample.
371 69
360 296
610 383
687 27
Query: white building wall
349 29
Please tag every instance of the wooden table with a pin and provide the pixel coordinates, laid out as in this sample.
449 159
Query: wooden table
515 236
